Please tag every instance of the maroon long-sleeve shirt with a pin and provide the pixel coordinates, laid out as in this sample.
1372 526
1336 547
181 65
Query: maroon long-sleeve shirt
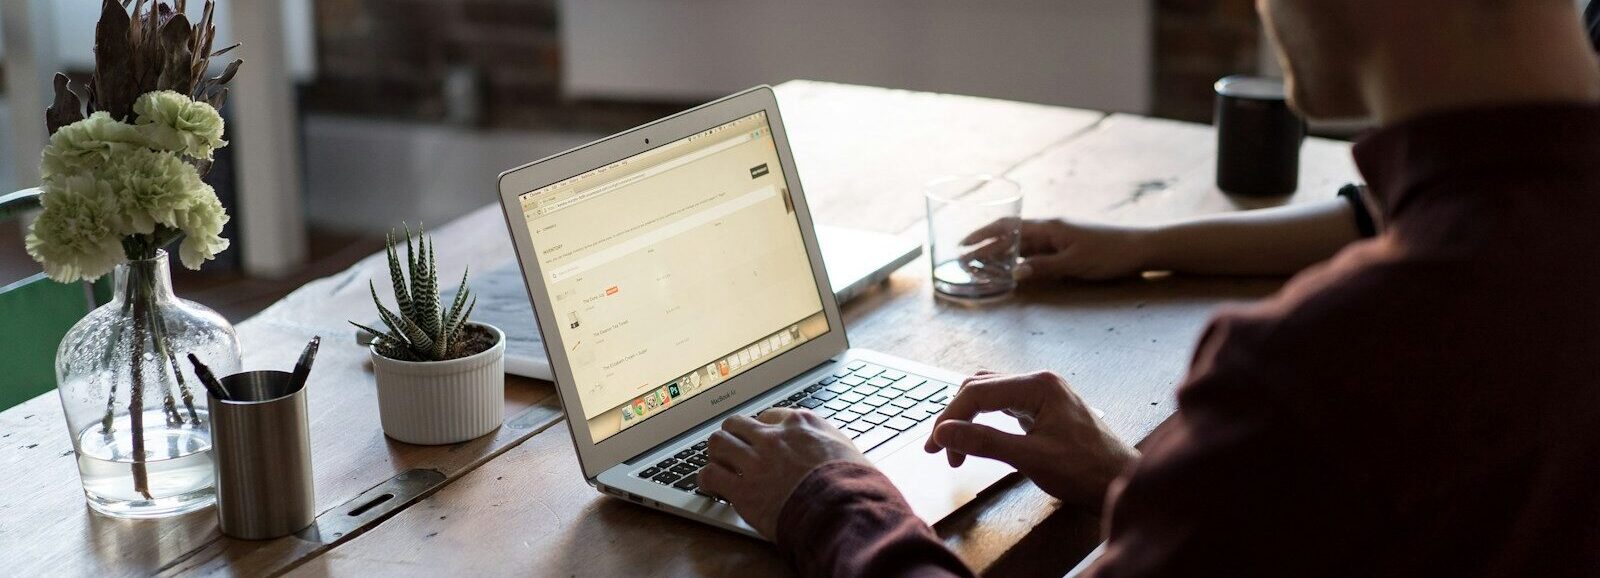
1425 403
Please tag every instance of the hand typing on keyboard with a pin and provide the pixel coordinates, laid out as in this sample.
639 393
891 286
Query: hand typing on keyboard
1067 451
869 404
757 463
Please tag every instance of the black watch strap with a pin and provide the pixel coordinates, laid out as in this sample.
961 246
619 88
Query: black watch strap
1356 194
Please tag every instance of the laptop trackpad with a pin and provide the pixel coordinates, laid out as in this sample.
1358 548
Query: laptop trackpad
932 487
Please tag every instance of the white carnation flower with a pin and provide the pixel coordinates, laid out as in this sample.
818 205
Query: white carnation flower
77 237
177 123
87 145
103 184
153 187
201 224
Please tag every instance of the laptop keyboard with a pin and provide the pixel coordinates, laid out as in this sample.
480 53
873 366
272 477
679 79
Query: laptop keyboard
869 403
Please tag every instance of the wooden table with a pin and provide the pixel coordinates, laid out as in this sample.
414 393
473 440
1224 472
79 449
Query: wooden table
515 503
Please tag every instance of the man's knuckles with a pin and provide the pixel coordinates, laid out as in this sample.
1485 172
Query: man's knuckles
805 419
1042 376
718 439
718 480
1048 383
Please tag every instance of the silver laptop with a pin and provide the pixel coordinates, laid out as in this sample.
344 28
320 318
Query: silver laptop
676 277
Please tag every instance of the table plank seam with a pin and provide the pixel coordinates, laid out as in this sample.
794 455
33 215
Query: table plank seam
1063 141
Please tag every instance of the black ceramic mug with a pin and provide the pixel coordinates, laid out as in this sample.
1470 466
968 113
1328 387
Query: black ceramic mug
1258 138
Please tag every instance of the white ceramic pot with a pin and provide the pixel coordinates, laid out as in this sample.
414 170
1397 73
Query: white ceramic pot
443 402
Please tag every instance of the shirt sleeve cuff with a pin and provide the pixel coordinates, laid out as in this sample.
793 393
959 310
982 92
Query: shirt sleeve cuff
847 519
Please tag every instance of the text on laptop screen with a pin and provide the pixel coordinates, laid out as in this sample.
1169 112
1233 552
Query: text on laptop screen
673 270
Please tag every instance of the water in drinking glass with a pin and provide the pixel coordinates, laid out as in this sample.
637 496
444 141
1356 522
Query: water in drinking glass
982 269
973 235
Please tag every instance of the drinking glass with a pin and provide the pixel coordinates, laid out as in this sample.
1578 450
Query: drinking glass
973 235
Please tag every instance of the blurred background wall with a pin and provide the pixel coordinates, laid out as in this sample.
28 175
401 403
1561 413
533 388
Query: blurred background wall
405 110
1087 53
399 56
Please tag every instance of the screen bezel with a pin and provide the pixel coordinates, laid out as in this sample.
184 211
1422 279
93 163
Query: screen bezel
596 457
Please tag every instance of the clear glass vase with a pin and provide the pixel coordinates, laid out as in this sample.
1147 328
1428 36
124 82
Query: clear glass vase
135 409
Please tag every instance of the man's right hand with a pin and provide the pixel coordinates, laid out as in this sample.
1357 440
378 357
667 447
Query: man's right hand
1056 249
1066 450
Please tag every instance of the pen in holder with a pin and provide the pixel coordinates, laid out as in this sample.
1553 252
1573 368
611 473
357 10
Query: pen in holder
261 447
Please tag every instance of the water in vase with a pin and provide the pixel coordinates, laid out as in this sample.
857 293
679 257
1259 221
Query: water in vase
177 467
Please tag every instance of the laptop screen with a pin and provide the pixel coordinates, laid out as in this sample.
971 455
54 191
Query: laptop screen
674 270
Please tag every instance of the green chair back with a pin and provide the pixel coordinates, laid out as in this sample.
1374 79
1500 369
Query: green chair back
35 313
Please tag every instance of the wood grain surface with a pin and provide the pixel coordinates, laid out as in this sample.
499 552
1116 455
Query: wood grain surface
45 528
1124 345
863 154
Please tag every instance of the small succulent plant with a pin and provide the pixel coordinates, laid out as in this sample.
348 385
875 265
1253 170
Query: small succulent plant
420 329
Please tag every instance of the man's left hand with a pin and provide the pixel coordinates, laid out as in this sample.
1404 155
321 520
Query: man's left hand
757 463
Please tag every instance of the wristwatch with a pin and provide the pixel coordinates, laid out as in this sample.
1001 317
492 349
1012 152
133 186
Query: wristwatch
1357 195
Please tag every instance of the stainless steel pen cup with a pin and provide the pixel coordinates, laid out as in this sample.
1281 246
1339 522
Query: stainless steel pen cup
261 448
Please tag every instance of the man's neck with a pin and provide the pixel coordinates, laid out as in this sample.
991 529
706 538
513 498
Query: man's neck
1541 58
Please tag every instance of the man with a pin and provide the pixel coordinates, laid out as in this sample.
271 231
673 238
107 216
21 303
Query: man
1427 402
1591 22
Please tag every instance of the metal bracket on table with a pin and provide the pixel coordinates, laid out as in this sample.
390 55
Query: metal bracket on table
383 500
372 506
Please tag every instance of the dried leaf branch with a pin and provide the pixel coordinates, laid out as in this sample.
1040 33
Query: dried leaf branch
142 46
67 108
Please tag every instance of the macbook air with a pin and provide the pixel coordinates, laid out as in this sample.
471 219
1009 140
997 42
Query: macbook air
676 279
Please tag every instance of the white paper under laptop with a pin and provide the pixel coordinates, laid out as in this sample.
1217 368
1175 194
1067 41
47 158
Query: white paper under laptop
677 279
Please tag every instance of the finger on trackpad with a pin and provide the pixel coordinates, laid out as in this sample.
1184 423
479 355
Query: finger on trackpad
932 487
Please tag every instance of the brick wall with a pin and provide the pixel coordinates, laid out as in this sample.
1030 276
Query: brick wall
393 58
1198 42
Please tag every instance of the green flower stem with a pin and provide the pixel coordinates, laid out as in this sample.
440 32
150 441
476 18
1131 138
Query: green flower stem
139 291
139 304
107 422
144 247
164 349
159 340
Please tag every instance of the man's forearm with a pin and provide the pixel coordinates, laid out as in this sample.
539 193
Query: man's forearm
847 520
1276 241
